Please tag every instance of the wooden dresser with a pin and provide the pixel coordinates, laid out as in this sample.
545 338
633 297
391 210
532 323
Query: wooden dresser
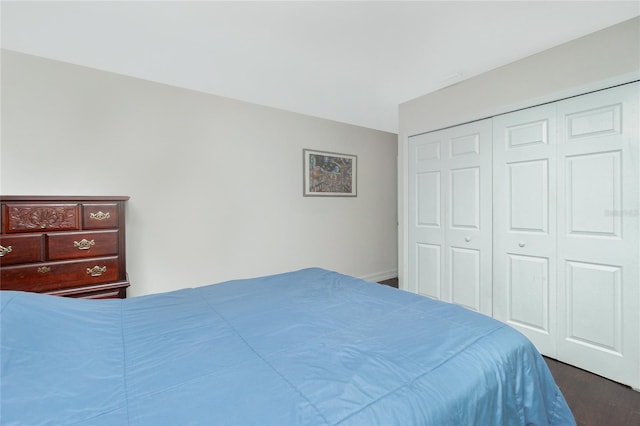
65 246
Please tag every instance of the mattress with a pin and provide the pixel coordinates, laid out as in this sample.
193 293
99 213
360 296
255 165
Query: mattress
309 347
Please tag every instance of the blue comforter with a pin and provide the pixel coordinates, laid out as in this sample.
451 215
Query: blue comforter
308 347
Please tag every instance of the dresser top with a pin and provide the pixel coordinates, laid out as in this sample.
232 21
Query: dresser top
63 197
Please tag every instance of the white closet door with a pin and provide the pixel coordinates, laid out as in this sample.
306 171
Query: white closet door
524 223
598 227
468 274
426 214
450 215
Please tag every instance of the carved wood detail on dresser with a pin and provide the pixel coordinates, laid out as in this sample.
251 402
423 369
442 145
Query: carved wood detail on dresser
64 245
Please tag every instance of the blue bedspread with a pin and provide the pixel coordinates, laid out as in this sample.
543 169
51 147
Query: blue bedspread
308 347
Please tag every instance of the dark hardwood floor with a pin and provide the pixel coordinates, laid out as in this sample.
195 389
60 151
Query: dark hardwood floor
393 282
594 400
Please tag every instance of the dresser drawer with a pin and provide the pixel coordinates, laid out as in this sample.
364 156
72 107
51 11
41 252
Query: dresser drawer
117 290
27 217
100 215
49 276
77 245
16 249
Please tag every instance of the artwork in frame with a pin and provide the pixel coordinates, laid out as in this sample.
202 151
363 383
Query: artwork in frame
329 174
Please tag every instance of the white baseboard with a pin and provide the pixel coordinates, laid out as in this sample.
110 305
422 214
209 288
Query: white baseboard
381 276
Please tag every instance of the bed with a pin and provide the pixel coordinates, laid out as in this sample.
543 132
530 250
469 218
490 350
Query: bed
310 347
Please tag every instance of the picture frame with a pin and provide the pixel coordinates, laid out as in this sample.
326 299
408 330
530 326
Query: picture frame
329 174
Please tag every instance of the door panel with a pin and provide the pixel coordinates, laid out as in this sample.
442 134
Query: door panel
428 150
465 277
594 193
428 270
528 196
528 292
526 134
465 145
599 244
450 215
428 199
593 288
468 279
594 122
465 198
524 224
426 210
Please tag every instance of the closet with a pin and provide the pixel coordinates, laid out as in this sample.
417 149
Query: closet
533 217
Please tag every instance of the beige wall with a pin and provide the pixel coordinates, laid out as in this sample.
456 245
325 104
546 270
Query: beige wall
569 69
215 184
604 58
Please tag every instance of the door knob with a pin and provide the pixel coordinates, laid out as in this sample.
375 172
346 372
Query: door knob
467 239
521 244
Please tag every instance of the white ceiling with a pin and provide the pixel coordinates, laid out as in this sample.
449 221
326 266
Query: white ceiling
353 62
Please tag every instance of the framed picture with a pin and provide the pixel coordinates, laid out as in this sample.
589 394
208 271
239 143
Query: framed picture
329 174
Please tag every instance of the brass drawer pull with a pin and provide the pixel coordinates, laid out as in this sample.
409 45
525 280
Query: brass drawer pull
44 269
96 271
5 250
100 216
84 244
